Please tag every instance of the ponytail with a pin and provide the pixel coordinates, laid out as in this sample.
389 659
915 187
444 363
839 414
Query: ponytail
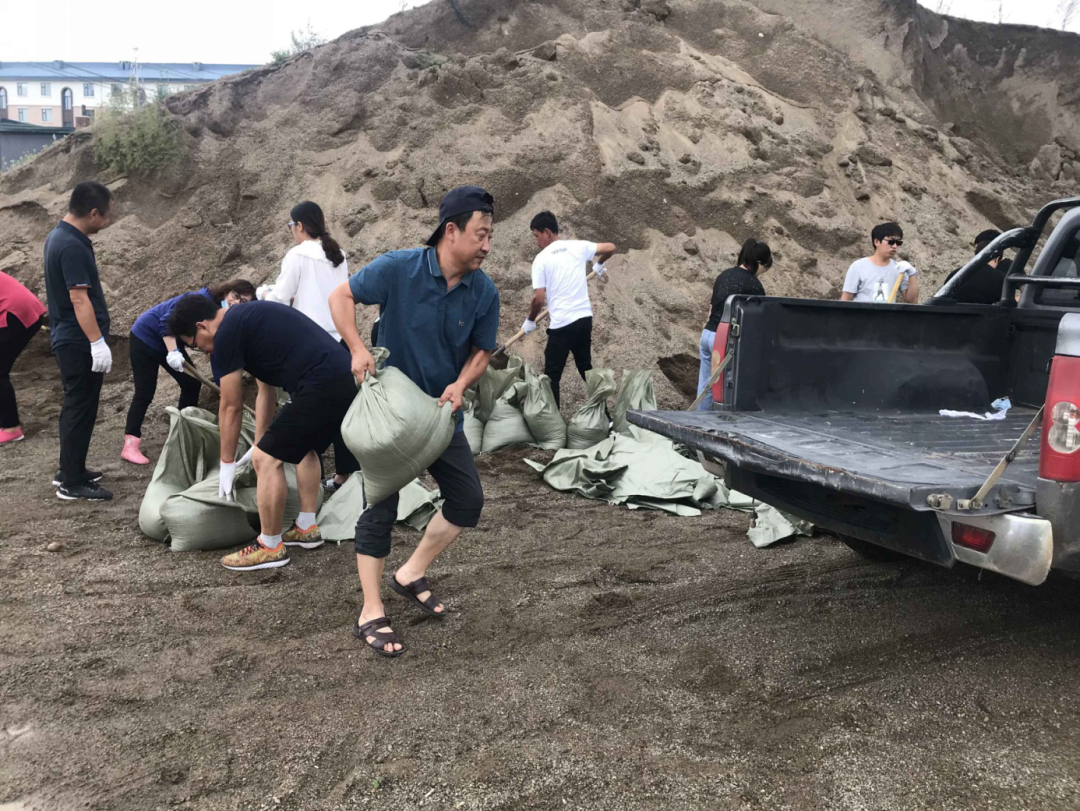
309 215
754 256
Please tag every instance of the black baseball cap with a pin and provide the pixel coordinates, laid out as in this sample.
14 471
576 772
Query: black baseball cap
462 200
986 237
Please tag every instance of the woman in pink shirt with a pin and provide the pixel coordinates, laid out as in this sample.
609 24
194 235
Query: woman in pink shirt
20 318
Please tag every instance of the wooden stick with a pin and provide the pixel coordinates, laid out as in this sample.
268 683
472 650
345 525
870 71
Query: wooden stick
896 287
712 380
193 372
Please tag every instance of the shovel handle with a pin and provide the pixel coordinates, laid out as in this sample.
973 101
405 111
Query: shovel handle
193 372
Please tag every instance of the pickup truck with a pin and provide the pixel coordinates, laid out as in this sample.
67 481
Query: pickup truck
830 411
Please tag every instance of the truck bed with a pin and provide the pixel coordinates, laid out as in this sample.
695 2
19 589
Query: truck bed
897 458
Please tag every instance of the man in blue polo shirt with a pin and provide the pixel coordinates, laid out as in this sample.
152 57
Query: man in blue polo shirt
439 315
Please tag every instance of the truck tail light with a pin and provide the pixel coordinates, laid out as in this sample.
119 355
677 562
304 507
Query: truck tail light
719 350
1059 458
971 537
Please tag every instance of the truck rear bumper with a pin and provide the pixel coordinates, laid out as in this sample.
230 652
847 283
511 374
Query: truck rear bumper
1023 547
1059 502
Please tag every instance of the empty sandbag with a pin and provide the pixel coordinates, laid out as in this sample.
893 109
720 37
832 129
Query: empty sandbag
493 384
542 412
506 426
395 431
636 393
474 429
590 424
337 519
192 452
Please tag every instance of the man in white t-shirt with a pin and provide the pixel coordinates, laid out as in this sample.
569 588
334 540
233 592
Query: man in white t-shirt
872 278
558 277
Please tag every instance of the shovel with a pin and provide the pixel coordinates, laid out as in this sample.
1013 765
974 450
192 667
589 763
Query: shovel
499 358
193 372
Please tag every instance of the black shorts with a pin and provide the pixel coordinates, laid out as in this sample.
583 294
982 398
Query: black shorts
310 421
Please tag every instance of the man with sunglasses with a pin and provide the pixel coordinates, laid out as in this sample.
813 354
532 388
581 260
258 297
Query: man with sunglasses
873 278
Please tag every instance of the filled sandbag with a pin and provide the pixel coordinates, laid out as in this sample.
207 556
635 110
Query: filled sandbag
506 426
542 412
493 384
590 424
636 393
192 452
337 519
474 429
395 431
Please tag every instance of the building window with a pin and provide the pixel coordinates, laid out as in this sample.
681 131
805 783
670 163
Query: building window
3 98
88 90
46 89
23 114
20 89
46 114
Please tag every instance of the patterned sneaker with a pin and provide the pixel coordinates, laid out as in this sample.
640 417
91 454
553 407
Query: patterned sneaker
256 556
310 538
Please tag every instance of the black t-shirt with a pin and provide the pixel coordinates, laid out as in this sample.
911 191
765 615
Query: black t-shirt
983 286
279 346
733 281
69 263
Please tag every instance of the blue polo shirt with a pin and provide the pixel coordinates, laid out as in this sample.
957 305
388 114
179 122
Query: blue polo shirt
429 330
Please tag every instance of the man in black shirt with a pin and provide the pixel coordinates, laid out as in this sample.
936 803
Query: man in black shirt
78 330
279 346
984 284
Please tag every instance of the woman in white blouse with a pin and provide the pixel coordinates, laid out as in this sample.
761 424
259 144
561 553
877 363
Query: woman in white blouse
309 273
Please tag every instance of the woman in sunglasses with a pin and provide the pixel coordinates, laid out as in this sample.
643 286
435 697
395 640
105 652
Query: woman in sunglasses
309 273
754 259
152 348
874 277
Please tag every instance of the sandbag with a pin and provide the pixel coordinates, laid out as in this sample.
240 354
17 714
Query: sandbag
395 431
474 429
337 519
590 424
542 412
506 426
636 393
192 452
493 384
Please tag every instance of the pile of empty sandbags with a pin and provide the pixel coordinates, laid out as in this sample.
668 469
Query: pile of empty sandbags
181 505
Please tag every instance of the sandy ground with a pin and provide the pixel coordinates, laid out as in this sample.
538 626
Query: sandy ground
596 658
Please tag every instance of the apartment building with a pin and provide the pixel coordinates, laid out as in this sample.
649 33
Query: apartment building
66 94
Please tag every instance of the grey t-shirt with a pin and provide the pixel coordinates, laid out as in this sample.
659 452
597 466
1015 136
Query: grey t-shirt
870 282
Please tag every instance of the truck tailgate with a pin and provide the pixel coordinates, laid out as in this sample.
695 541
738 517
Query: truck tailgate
896 458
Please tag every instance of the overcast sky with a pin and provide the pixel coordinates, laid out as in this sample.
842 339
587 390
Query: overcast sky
246 31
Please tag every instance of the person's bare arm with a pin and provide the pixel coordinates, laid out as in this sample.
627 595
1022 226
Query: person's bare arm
847 296
538 299
84 313
604 251
343 311
231 413
170 343
911 295
265 406
474 369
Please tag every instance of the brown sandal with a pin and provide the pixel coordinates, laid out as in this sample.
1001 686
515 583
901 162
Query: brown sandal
382 638
412 591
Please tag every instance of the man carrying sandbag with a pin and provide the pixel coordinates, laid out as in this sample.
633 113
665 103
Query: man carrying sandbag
558 276
279 347
439 315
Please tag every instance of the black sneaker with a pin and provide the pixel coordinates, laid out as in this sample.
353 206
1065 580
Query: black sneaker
58 478
91 491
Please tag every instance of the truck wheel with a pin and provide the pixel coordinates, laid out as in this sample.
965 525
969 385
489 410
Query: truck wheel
878 554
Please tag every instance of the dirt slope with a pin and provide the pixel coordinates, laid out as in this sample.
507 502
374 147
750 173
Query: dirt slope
676 129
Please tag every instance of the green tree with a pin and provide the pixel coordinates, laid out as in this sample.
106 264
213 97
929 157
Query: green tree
135 139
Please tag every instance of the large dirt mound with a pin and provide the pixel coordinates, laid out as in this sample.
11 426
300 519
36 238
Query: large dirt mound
676 129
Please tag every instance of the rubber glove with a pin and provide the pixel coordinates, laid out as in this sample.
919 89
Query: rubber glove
600 269
529 326
243 460
101 356
175 359
226 476
262 290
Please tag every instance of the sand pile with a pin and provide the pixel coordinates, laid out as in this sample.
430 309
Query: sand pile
675 129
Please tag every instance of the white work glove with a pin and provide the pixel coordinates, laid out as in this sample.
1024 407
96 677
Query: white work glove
226 476
599 269
262 290
101 356
175 359
243 460
529 326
